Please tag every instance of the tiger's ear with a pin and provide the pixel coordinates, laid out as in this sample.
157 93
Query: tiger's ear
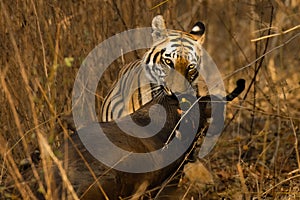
198 30
159 30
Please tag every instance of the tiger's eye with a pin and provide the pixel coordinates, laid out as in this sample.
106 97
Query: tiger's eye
191 66
168 62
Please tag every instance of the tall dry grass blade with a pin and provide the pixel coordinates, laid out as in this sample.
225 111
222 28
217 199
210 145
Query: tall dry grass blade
29 94
160 4
276 34
46 147
140 191
24 189
20 131
243 181
296 143
41 40
66 136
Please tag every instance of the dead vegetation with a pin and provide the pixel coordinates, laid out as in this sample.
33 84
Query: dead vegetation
44 42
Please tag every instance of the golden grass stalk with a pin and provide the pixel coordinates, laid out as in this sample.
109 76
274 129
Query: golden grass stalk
276 34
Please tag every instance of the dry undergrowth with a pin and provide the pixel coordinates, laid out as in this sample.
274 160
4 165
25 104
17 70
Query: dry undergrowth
44 43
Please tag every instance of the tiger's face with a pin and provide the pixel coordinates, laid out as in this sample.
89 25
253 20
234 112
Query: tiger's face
175 58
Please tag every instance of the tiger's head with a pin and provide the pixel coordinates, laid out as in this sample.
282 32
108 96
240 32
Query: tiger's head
174 60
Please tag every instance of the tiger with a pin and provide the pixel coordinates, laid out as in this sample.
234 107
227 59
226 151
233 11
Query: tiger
171 66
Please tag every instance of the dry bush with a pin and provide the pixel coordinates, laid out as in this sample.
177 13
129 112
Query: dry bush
44 42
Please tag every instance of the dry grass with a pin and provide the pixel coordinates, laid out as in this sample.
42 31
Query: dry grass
44 43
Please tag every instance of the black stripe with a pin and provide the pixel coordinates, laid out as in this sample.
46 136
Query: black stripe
181 40
189 47
140 97
168 54
139 92
152 50
149 55
124 84
115 106
107 102
175 40
107 113
118 93
185 46
175 45
186 40
119 113
155 57
152 91
133 107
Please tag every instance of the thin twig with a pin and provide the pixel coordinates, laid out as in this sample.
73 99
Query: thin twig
276 34
262 56
161 3
250 64
179 167
280 183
